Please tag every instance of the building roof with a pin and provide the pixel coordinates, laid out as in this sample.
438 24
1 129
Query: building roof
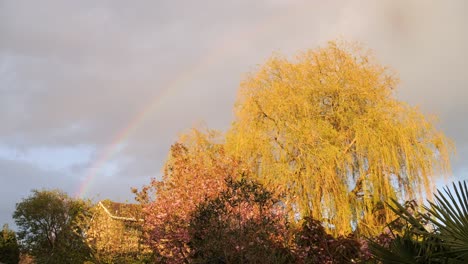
122 211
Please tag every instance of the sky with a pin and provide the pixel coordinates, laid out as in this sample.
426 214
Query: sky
93 93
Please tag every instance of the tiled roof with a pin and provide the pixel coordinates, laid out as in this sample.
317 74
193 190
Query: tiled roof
122 211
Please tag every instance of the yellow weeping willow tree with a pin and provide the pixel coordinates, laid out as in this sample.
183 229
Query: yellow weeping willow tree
326 130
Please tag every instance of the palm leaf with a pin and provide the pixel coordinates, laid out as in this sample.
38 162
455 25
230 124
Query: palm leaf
404 249
449 213
446 243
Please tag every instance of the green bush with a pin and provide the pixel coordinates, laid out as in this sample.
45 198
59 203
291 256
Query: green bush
9 248
244 224
314 245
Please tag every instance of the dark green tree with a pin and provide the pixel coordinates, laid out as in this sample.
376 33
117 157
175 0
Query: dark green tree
315 245
244 224
9 249
47 227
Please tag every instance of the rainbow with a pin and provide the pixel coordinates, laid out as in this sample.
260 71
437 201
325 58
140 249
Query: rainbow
154 104
230 44
120 138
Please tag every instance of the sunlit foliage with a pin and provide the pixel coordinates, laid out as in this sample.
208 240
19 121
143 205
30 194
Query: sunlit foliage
47 227
195 172
114 233
9 248
327 130
244 224
439 235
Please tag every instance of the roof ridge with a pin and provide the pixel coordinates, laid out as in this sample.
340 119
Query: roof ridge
133 219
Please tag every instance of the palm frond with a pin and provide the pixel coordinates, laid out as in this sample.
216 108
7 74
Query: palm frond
449 213
446 242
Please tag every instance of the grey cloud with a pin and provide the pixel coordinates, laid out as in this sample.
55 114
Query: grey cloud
18 178
426 44
80 72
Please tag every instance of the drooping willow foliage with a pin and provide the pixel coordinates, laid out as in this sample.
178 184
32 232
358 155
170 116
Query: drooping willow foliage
327 130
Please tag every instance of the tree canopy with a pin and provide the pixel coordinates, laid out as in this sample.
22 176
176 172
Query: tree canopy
243 224
47 227
195 171
327 130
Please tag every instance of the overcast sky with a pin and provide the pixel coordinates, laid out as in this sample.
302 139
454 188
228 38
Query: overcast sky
103 88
